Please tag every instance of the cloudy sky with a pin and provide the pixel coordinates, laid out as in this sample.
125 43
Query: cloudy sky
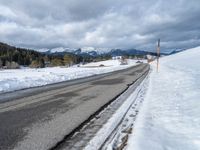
100 23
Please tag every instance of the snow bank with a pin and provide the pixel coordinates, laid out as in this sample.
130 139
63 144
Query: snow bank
11 80
170 118
98 140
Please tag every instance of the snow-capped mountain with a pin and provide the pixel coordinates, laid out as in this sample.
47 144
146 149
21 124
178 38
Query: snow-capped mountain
98 50
94 52
57 50
78 51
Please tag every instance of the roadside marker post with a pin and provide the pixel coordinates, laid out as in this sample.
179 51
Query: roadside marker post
158 54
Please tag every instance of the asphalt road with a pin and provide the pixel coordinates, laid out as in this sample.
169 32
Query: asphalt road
39 117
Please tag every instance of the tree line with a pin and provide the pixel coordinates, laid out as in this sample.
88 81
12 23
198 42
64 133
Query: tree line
12 58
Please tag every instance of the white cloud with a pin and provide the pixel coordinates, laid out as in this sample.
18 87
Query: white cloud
111 23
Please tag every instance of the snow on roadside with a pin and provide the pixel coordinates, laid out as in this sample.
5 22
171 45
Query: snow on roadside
11 80
170 117
98 140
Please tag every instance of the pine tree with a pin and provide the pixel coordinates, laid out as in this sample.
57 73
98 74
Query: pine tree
1 63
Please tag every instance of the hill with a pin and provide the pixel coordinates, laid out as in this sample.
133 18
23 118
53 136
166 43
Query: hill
13 57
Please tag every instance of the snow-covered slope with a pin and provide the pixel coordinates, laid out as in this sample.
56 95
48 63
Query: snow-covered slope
170 117
97 50
11 80
57 49
106 63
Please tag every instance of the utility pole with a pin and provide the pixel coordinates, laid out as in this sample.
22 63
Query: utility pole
158 54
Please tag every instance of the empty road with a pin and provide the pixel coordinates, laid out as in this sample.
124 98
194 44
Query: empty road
38 118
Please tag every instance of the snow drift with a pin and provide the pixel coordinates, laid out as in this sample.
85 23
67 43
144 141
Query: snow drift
170 117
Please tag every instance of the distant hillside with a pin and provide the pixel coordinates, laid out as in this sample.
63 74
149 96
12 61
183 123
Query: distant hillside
130 52
13 57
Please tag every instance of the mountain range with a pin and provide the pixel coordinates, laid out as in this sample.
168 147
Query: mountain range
95 52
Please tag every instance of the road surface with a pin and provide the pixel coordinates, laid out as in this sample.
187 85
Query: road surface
38 118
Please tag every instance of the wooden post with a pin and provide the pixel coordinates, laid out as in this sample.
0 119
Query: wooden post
158 54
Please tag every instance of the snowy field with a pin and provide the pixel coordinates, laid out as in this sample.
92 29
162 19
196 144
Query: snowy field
11 80
170 116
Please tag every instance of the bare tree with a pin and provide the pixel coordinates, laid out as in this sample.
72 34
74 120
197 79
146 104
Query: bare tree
12 65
